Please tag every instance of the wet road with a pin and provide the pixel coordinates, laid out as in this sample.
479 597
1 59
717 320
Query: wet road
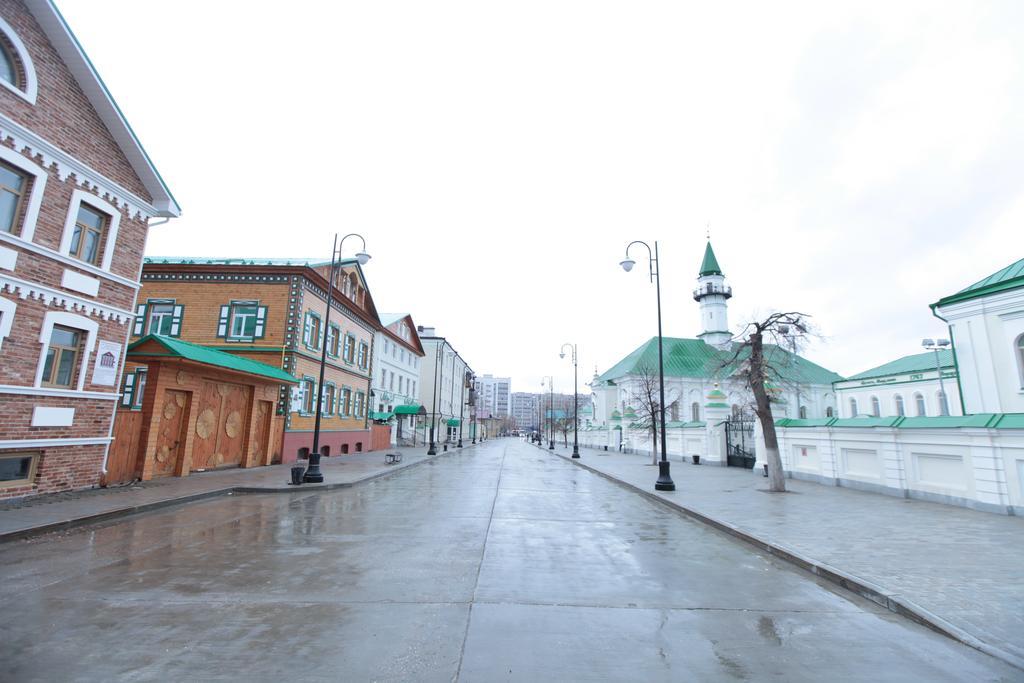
500 563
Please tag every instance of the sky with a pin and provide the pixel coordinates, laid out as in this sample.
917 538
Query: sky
853 161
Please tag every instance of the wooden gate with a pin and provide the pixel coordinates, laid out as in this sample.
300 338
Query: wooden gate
122 458
170 436
263 443
221 423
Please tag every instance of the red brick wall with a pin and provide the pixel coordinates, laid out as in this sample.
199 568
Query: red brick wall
62 114
61 469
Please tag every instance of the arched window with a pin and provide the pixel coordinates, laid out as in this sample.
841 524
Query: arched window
1020 359
919 402
803 412
943 403
674 410
829 412
900 410
17 73
695 412
876 407
853 407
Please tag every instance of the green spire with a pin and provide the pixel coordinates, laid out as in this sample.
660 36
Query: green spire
709 266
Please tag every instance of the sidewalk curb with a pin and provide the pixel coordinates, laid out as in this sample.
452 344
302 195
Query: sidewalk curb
866 589
49 527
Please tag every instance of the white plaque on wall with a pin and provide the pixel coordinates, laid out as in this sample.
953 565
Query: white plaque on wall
105 368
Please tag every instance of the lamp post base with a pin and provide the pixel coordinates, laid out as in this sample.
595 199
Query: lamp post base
551 445
431 450
575 452
664 482
313 475
459 444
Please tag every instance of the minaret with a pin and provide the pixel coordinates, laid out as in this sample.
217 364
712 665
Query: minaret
712 294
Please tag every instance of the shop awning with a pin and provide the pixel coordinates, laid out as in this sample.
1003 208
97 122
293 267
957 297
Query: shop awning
408 410
453 422
381 417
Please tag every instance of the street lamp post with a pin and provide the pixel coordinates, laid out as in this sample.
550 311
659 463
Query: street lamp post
438 366
575 401
551 412
462 405
664 482
935 345
313 474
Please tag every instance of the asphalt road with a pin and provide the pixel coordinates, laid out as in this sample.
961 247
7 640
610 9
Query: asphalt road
498 563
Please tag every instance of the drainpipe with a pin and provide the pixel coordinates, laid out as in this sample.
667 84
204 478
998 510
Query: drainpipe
956 363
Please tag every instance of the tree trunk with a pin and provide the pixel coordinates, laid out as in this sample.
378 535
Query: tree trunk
654 445
776 477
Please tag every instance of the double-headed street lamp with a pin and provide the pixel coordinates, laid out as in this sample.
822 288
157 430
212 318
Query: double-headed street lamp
664 482
575 401
936 345
313 474
466 378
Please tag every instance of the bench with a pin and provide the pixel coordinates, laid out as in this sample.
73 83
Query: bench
392 458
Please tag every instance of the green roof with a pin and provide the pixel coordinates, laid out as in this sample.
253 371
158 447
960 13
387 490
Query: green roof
694 358
977 420
239 261
918 362
381 417
709 266
453 422
177 348
407 410
1010 277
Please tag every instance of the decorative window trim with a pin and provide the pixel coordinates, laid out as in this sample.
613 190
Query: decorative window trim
33 468
35 195
345 407
31 84
78 322
131 386
1018 352
337 336
79 197
225 319
328 408
363 356
312 387
143 325
349 358
7 309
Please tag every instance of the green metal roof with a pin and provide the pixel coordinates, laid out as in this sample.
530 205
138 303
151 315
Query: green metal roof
381 417
453 422
977 420
177 348
1010 277
694 358
709 266
918 362
407 410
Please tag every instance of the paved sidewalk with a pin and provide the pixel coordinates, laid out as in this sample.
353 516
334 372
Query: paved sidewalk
47 513
958 569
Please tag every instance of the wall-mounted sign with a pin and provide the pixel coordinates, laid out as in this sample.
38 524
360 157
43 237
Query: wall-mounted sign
104 371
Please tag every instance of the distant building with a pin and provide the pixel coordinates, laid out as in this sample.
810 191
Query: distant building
397 358
493 395
524 410
446 391
907 386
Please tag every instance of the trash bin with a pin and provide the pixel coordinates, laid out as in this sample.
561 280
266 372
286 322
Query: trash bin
297 473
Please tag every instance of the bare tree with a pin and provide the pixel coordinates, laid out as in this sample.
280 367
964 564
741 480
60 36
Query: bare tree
760 364
648 409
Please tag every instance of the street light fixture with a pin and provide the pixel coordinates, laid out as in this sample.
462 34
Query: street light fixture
551 411
664 482
575 400
313 475
936 345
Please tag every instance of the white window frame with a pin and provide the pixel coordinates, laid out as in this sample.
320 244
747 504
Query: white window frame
78 322
31 84
1018 352
79 197
7 310
35 196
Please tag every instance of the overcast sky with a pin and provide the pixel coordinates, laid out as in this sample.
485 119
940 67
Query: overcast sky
856 163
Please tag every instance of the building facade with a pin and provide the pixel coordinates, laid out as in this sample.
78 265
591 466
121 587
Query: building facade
524 410
493 396
446 392
77 192
908 386
986 326
274 312
397 357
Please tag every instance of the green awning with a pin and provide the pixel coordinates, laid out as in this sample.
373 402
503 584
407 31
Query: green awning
453 422
176 348
381 417
407 410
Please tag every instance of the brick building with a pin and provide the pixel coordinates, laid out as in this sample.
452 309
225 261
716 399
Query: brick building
77 192
273 312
